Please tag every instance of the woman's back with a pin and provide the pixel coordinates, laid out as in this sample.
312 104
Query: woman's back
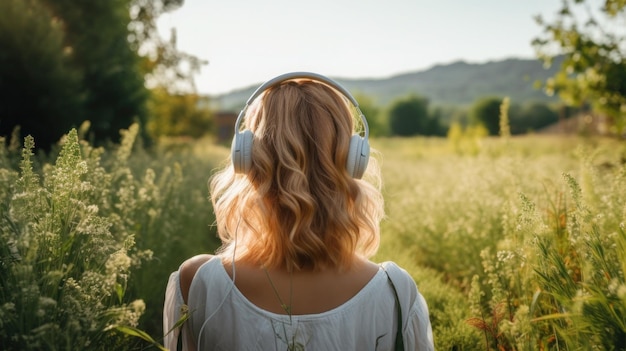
248 315
302 292
298 203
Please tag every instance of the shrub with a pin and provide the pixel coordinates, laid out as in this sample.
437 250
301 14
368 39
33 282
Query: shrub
87 243
64 270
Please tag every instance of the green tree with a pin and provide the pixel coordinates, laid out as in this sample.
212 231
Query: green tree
435 125
164 65
63 62
409 116
532 117
590 41
96 33
40 89
486 112
178 115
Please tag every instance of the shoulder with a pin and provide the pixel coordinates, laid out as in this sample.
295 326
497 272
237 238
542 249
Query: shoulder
402 282
188 270
417 326
397 274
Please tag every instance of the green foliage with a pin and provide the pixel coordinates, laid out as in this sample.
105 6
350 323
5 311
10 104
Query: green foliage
76 237
581 261
63 62
95 34
436 121
410 116
405 115
468 140
41 90
164 65
531 117
593 69
516 245
65 272
178 115
561 276
486 112
530 231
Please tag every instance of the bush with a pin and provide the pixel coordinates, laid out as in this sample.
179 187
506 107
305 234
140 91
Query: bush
87 245
530 231
517 245
409 116
65 263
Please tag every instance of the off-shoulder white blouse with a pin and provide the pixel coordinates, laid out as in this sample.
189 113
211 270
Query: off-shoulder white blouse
222 318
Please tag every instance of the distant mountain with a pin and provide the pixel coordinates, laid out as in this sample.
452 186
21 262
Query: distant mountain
456 84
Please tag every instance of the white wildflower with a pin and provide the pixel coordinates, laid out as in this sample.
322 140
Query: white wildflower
118 262
8 307
621 292
92 209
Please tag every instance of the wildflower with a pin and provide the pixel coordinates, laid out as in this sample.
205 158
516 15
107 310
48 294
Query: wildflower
118 262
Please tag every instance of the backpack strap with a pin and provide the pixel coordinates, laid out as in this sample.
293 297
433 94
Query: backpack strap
399 343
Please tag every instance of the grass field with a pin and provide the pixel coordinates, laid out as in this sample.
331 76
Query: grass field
516 243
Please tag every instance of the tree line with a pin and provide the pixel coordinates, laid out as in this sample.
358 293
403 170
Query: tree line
63 62
412 115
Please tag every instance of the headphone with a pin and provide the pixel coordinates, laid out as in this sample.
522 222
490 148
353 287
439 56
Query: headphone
358 153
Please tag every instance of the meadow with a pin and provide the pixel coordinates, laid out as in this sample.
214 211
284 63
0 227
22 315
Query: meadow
516 243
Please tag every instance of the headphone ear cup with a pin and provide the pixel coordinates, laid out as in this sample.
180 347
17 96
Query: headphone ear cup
358 156
241 151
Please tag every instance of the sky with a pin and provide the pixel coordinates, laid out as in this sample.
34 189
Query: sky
247 42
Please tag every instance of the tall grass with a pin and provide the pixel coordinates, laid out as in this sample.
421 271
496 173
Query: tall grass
87 242
517 243
64 269
529 230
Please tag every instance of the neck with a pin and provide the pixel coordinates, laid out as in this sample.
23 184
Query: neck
286 307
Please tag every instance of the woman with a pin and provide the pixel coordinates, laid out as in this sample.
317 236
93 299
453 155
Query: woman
298 227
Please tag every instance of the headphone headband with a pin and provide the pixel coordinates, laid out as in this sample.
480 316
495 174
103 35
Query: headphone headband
295 75
359 149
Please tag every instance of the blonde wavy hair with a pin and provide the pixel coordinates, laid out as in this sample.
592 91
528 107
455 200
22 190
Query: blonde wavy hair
298 207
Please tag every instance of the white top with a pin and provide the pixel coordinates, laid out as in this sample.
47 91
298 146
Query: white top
222 318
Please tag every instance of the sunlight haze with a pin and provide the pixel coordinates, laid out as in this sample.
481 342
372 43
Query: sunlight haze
247 42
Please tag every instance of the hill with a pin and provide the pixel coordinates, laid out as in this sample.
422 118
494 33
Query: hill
455 84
